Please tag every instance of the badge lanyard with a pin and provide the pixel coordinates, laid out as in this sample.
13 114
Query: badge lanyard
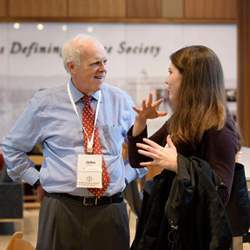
90 140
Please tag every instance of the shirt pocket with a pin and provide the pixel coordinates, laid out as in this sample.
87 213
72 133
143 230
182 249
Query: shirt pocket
111 139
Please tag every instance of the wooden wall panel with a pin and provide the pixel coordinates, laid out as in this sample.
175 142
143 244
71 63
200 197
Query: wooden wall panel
210 9
144 8
172 8
3 8
244 69
37 8
127 11
97 8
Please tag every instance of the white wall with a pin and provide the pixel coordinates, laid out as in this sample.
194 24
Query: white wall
138 57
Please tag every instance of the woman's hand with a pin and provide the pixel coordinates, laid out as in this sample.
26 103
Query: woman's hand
163 157
148 110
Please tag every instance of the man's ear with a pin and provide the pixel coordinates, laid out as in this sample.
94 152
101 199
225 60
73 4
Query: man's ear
71 67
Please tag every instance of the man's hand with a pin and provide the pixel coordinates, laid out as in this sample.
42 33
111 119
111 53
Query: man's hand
39 193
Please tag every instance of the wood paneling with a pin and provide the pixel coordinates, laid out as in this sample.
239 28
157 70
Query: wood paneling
144 8
3 8
97 8
37 8
210 9
126 11
244 69
172 8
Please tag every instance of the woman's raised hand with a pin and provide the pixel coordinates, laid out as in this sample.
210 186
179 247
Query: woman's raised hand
149 109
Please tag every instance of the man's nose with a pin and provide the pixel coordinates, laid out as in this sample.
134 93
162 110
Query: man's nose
103 66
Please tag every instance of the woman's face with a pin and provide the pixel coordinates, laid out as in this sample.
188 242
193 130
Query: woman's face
173 83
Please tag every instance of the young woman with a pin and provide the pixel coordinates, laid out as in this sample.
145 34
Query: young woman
200 132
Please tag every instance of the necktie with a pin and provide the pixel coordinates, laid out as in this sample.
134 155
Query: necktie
88 118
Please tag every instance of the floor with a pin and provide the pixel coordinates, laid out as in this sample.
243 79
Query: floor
29 227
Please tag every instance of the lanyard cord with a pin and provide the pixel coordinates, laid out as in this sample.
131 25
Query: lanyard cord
91 140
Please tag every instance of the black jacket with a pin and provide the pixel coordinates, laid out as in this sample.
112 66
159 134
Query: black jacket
184 211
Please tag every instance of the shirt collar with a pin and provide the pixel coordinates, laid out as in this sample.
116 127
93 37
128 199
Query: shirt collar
77 95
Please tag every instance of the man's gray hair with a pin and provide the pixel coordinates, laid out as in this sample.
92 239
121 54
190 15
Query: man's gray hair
71 51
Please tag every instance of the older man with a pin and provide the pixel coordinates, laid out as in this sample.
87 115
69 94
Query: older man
81 127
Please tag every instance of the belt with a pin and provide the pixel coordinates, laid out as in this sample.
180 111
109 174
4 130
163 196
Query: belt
89 201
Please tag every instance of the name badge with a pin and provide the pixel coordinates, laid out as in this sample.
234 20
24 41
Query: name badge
89 171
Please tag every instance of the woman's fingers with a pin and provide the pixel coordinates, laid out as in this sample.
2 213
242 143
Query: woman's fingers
170 142
157 103
147 164
164 157
152 143
161 113
147 153
149 108
147 148
142 145
151 149
137 110
150 99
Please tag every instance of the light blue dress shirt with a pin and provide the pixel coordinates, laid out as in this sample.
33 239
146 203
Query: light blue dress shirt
49 119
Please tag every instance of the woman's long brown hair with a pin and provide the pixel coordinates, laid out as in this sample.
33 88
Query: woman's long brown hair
200 102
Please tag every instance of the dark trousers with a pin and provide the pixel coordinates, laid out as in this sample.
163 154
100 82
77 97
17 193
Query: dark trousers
65 224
